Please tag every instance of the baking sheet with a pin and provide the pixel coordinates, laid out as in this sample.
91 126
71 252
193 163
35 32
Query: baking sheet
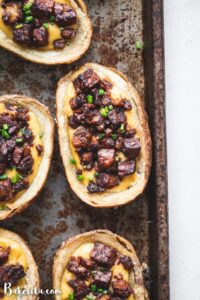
58 214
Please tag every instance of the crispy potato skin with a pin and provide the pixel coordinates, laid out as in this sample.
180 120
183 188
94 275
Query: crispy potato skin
57 57
33 275
103 236
49 122
102 199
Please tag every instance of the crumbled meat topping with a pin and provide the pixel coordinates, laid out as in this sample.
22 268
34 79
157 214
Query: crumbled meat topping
94 277
9 273
16 140
102 137
30 21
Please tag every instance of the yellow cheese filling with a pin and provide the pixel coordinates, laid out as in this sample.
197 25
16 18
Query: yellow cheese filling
131 115
54 30
34 125
84 251
16 255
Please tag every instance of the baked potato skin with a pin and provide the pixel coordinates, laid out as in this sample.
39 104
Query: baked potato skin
55 57
108 238
115 199
33 276
19 99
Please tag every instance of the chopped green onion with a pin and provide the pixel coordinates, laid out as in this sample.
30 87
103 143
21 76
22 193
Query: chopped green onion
41 134
45 25
5 134
89 298
2 206
80 177
100 290
27 6
138 45
5 126
17 177
28 19
93 288
89 99
105 292
96 174
19 140
28 12
101 92
22 130
114 136
122 128
110 107
19 26
101 136
71 297
4 176
103 112
51 19
106 109
72 161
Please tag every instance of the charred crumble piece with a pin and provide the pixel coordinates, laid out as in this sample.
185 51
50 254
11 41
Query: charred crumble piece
9 273
16 140
30 22
102 135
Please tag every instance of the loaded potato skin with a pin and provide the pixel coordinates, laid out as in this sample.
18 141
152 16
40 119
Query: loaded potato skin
48 32
96 265
104 136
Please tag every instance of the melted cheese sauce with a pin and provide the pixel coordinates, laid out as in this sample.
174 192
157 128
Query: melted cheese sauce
16 256
127 181
33 123
54 30
84 251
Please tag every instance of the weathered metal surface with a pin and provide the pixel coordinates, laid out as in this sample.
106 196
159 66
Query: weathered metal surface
58 214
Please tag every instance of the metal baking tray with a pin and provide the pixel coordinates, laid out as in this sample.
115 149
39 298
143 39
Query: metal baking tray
58 214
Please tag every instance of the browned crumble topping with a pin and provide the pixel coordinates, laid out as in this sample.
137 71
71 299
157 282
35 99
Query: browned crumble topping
102 132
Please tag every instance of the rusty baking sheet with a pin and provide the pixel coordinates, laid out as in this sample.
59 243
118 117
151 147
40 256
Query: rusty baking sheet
58 214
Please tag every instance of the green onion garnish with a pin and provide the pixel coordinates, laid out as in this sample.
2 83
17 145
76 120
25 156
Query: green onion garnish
100 290
5 126
19 140
89 298
138 45
27 6
71 296
80 177
104 112
101 136
101 92
41 134
28 19
110 107
45 25
89 99
114 136
19 26
28 12
51 19
4 176
93 288
17 177
96 174
5 134
122 128
72 161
